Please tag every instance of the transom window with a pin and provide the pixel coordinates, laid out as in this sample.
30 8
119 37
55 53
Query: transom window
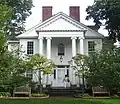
91 46
61 49
30 47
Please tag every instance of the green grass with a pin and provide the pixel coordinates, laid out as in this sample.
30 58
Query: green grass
70 101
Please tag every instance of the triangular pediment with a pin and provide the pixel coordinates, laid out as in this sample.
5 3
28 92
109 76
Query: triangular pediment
60 22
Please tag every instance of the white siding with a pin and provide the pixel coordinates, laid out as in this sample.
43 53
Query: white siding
23 45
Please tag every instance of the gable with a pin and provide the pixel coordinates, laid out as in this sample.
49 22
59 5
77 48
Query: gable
61 24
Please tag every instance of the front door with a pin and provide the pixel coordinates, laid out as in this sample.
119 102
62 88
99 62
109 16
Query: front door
60 77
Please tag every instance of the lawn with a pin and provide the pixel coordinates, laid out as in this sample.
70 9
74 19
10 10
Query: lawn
70 101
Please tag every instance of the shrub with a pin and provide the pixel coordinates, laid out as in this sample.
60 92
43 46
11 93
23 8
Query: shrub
115 96
86 95
39 95
5 94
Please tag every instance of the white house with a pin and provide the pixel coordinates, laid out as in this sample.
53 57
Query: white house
59 37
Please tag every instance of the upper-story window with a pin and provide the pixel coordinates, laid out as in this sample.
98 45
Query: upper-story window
30 47
61 49
91 46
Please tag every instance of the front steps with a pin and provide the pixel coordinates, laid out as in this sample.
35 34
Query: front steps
62 91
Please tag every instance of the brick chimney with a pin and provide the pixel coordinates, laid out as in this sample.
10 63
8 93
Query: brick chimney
46 12
74 12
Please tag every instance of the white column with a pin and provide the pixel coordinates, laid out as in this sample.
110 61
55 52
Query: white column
49 47
40 45
81 45
73 46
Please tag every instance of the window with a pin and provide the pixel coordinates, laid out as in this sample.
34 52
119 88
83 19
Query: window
29 74
61 49
91 46
30 47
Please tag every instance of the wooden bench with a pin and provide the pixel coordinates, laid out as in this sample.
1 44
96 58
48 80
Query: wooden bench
22 91
100 90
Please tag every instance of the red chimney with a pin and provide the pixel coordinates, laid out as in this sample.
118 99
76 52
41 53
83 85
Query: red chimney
75 13
46 12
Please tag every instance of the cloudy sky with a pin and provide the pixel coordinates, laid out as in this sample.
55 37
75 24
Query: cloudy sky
59 5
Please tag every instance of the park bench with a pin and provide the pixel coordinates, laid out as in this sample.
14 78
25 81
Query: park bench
22 91
100 90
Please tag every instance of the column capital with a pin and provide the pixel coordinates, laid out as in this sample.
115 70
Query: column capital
40 37
73 37
48 38
81 37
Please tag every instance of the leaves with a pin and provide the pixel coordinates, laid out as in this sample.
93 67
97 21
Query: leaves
106 13
21 10
104 68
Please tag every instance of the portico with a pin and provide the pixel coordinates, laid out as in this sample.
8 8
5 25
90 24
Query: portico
49 44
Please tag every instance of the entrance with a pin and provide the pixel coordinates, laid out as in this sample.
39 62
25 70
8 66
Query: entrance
60 77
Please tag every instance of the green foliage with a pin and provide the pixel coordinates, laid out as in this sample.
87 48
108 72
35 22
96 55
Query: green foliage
80 68
104 69
39 95
37 61
5 94
106 13
12 68
41 64
21 10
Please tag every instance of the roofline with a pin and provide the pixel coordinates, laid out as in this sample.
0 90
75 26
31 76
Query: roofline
79 23
61 30
15 41
28 37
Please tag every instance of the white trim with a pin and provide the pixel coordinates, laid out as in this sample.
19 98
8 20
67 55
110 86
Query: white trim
54 18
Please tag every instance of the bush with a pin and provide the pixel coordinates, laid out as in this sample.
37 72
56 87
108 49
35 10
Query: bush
5 94
39 95
115 96
86 95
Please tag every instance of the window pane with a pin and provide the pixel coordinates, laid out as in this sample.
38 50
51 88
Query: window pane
30 47
91 46
61 49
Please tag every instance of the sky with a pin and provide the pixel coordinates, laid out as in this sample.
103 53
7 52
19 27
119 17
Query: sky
60 6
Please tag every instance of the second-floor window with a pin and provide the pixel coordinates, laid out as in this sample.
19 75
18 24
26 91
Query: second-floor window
91 46
61 50
30 47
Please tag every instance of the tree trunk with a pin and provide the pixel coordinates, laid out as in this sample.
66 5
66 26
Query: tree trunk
79 81
83 84
40 87
47 80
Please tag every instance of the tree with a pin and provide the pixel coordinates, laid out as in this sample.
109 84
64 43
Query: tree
106 13
80 67
42 65
12 71
5 15
12 66
21 10
104 69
